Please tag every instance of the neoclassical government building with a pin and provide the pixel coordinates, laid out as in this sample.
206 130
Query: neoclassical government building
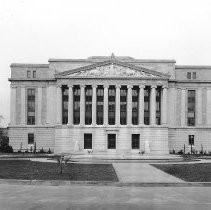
111 105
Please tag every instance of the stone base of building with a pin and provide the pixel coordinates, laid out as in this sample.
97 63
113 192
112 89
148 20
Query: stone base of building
152 139
156 140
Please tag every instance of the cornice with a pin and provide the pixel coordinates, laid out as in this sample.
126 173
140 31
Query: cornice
31 79
192 67
29 65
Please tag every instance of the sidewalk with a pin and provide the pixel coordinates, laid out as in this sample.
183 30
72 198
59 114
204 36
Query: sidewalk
142 173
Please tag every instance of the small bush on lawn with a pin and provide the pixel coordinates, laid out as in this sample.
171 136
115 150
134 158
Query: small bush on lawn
180 152
4 145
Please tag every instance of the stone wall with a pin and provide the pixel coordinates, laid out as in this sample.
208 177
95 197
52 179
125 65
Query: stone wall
66 138
179 136
44 137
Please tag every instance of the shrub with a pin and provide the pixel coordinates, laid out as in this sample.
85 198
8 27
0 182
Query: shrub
4 146
49 151
42 150
180 152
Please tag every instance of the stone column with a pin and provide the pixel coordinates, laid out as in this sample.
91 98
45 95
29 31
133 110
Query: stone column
199 106
183 107
117 104
153 105
82 105
39 106
164 110
13 105
129 104
105 108
70 105
94 101
208 115
59 104
141 105
23 105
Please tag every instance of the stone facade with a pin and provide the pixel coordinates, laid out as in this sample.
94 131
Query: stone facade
171 132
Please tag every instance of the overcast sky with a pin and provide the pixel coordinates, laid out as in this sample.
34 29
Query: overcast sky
32 31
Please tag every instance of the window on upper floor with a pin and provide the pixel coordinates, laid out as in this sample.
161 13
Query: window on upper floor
64 105
28 74
100 101
146 105
34 74
188 75
191 75
31 106
191 107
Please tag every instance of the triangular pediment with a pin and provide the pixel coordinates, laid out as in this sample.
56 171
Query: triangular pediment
112 69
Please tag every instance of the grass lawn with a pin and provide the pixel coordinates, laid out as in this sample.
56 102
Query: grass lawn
28 170
198 172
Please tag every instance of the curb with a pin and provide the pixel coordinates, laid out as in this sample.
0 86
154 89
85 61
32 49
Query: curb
100 183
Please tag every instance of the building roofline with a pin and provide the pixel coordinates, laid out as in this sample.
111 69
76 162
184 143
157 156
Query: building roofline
191 67
123 60
29 65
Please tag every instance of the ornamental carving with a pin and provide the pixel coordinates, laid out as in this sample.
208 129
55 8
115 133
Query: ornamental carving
113 71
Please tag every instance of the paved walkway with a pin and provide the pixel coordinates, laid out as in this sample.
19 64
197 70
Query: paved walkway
142 173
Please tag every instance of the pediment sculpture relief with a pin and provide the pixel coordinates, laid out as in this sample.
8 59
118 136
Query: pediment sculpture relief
113 71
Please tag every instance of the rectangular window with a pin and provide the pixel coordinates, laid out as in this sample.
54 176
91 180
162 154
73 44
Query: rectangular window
158 106
88 105
135 141
123 105
87 141
194 75
76 105
146 105
34 74
191 107
135 93
111 141
111 105
191 139
100 101
28 74
188 75
30 106
30 138
64 104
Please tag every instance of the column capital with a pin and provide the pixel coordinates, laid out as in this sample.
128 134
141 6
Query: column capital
142 86
70 86
82 86
118 86
153 86
106 86
94 86
129 86
164 86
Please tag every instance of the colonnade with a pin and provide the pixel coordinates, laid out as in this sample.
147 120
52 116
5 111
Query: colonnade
117 107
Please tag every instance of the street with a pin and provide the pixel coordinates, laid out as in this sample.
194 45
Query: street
103 197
